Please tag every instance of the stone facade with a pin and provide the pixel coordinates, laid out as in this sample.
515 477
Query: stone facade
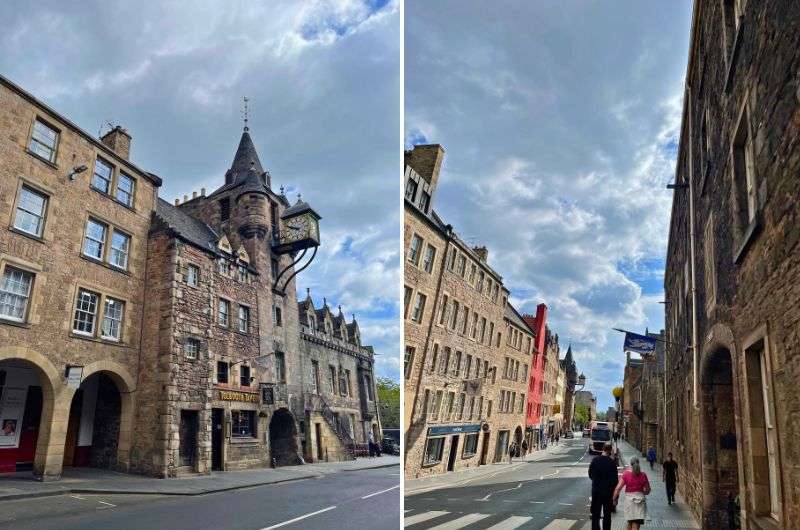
455 305
733 269
149 337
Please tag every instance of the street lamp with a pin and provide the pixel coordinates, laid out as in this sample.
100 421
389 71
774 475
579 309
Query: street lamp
581 381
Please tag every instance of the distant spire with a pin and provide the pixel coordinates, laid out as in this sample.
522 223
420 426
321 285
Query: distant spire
245 113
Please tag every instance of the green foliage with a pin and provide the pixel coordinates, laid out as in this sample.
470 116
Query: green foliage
389 402
581 416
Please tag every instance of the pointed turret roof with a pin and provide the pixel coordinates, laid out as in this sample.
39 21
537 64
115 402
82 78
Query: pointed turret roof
568 356
245 158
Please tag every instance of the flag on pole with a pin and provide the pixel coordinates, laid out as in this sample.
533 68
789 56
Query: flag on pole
641 344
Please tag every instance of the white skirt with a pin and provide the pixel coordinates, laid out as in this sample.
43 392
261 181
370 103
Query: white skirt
635 506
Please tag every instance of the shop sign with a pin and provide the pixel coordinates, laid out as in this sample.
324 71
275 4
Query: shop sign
233 395
453 429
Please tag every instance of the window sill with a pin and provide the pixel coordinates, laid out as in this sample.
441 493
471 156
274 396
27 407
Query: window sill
15 323
42 159
244 440
747 239
23 233
111 197
737 43
108 266
92 338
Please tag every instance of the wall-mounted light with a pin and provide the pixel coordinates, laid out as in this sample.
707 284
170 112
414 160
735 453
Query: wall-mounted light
76 170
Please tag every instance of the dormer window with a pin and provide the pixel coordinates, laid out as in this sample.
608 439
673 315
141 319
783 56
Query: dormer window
224 209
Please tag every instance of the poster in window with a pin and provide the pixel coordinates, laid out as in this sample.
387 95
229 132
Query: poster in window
11 410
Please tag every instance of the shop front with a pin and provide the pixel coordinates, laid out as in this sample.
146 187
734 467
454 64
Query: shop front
20 414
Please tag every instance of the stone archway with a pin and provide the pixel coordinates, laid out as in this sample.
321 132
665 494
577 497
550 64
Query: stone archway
283 439
719 413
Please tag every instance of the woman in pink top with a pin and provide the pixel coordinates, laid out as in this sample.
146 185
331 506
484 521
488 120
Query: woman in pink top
636 487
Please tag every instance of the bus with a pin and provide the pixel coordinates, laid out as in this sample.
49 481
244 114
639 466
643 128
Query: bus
599 435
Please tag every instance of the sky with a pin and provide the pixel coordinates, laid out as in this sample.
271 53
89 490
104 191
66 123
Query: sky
323 80
560 123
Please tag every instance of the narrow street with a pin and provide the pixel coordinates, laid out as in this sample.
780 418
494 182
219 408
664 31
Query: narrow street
549 492
349 499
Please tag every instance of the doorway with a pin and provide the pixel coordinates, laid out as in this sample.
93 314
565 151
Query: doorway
318 438
451 462
217 424
187 445
282 442
484 448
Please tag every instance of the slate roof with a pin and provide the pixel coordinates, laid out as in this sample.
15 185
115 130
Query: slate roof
187 227
513 316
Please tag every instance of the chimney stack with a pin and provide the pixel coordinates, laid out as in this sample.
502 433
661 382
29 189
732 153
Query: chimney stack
194 195
482 252
177 201
119 141
427 161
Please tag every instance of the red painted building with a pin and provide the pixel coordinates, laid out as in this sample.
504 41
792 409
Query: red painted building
538 324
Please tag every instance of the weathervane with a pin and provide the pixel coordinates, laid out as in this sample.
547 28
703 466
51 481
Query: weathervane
245 113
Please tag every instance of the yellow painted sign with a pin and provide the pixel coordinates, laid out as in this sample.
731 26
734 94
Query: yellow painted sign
232 395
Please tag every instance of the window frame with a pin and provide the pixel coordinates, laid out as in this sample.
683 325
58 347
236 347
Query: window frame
17 208
227 304
226 372
120 322
27 296
192 275
239 321
109 182
131 195
97 302
414 253
237 415
56 142
189 344
111 249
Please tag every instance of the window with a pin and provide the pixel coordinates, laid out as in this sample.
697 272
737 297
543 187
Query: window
94 239
44 140
223 310
332 378
222 372
495 293
280 367
192 275
101 179
277 317
112 319
191 348
411 189
483 329
125 187
445 361
314 377
468 366
222 266
406 300
448 410
451 263
243 423
30 212
437 405
479 286
120 245
457 364
462 265
14 294
244 376
85 312
462 401
348 383
274 268
244 319
224 209
242 273
470 445
479 410
433 451
744 175
454 319
424 201
474 325
414 248
465 324
434 357
430 255
419 307
710 265
368 386
408 360
472 273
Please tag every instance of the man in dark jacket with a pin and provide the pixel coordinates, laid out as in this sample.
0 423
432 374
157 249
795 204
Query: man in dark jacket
603 472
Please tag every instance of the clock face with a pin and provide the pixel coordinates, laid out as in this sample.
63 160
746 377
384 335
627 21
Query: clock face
301 227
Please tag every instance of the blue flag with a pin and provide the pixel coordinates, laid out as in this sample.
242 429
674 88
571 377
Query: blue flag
641 344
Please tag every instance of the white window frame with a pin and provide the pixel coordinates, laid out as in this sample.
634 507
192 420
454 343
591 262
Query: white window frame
40 217
107 180
223 315
115 252
129 195
81 309
191 348
6 292
192 274
415 248
101 242
110 321
244 323
39 146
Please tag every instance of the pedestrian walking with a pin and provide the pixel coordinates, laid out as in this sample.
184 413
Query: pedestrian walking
371 442
636 486
603 472
511 450
670 476
651 456
524 447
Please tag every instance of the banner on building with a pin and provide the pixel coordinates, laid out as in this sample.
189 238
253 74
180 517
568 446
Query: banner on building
641 344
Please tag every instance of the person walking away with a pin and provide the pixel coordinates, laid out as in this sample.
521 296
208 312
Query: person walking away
670 476
511 450
637 487
371 443
524 448
603 472
651 456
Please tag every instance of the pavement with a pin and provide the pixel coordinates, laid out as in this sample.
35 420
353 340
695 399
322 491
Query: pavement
548 490
14 486
352 498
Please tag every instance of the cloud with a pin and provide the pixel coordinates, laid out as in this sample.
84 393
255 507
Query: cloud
323 81
560 123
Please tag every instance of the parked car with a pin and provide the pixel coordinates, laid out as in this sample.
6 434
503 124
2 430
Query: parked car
585 433
569 434
390 447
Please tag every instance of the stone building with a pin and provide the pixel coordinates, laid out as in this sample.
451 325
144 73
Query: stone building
570 381
518 358
208 370
632 402
533 418
454 307
587 399
733 268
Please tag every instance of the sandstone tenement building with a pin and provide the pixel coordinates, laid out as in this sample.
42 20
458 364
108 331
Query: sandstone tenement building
160 338
733 268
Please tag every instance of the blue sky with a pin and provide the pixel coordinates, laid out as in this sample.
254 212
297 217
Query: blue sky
560 123
323 82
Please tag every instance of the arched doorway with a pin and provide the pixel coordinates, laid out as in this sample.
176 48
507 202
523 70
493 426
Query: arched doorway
23 390
518 440
719 439
282 439
94 424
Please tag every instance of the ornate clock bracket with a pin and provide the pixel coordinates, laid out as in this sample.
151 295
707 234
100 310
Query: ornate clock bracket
282 290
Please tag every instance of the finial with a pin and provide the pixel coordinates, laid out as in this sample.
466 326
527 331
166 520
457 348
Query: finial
245 113
340 309
282 189
354 317
299 198
324 302
308 292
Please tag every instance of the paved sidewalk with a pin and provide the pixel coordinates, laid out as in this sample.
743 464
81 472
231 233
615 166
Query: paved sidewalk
101 481
659 513
454 479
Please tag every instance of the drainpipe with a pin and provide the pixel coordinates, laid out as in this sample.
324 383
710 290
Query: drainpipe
695 360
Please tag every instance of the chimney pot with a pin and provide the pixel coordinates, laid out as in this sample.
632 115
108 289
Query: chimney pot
177 201
119 141
185 198
202 192
194 195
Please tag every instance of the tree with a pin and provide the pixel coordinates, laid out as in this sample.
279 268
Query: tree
389 402
581 414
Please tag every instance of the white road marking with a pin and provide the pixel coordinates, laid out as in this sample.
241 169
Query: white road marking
77 497
565 504
461 522
515 521
537 502
379 492
108 504
306 516
549 475
560 524
420 518
486 498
